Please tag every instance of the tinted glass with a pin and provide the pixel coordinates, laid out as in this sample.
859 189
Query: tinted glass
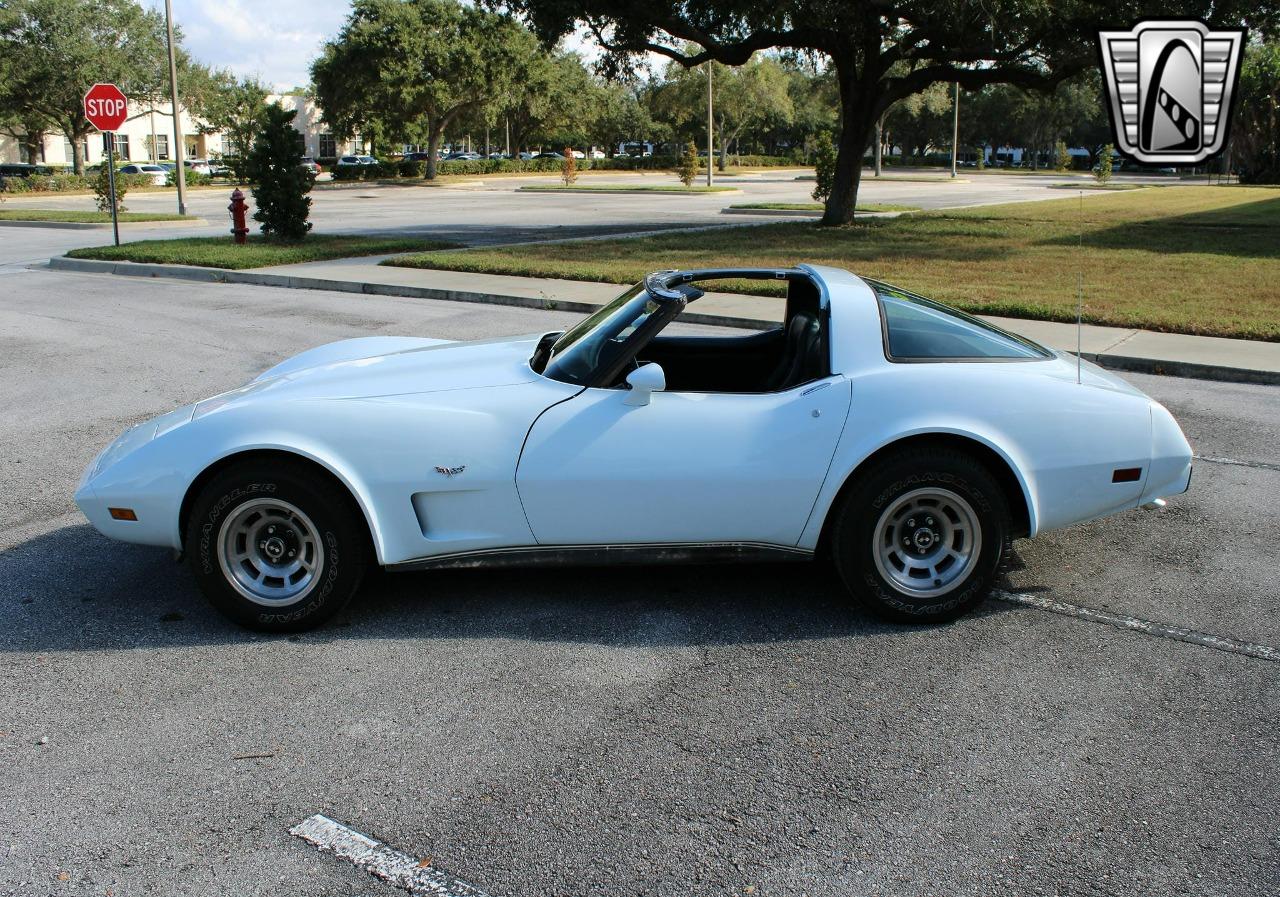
922 328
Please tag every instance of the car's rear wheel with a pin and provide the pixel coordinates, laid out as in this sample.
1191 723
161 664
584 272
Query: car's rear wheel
920 535
277 547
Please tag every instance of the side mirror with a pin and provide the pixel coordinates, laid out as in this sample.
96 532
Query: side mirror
645 380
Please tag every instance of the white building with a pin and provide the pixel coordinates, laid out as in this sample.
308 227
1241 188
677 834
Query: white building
148 135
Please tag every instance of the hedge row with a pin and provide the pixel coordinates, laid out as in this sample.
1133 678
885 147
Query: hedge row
386 169
65 183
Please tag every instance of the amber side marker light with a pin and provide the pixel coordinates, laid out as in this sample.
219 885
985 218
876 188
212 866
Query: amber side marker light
1126 475
122 514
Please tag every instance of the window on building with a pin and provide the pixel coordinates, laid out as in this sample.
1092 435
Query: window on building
162 146
122 146
328 146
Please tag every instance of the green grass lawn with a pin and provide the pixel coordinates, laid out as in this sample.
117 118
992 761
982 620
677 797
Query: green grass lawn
623 188
1200 259
817 207
79 217
221 252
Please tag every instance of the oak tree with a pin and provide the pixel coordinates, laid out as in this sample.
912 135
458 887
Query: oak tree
880 51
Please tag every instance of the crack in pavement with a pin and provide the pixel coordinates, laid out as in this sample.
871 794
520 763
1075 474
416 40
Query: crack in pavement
1257 465
1137 624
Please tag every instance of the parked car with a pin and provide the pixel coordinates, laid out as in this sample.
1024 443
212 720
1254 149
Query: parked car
199 166
463 157
355 161
159 176
908 441
556 156
219 168
417 157
597 154
524 156
311 165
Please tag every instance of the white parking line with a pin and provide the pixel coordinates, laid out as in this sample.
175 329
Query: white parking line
398 869
1135 624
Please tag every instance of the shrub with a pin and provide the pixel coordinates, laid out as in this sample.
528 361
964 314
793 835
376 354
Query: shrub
409 169
569 167
824 161
102 189
194 178
383 169
280 183
1061 155
1103 174
348 172
687 166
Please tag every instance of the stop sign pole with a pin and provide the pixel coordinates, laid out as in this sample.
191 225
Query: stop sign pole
106 108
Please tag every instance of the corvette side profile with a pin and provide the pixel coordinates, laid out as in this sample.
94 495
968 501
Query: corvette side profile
905 440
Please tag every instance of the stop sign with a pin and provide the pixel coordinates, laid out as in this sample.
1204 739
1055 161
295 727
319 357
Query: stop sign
105 106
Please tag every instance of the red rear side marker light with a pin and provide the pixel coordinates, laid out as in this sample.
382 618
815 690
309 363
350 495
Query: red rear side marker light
1126 475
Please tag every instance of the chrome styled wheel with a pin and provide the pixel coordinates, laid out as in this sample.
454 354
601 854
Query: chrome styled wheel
270 552
927 541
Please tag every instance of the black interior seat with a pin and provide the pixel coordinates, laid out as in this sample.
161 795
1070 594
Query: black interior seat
799 359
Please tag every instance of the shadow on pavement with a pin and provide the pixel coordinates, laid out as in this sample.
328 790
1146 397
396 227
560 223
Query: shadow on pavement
72 589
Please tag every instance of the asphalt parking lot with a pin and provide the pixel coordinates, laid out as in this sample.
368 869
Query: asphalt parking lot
727 730
495 212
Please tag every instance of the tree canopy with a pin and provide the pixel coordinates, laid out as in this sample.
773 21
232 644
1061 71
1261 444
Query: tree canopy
401 67
880 51
52 51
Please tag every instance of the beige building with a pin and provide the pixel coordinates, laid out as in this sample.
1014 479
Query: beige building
148 135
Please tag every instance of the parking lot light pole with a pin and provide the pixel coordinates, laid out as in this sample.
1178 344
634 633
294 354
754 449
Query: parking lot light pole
179 172
955 129
709 122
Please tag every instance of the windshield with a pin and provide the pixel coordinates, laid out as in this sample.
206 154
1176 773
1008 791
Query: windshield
600 339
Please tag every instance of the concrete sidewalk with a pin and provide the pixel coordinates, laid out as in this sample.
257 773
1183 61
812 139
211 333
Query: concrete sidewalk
1212 358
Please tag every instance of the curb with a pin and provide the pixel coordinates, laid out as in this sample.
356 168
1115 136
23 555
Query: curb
775 213
590 191
1165 367
104 225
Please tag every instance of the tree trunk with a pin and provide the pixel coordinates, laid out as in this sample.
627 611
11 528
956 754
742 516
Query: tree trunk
433 143
77 152
33 146
858 117
724 152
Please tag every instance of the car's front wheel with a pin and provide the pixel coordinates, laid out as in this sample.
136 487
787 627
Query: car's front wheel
276 547
920 536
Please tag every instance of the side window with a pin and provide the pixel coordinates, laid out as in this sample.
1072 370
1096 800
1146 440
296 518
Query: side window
919 328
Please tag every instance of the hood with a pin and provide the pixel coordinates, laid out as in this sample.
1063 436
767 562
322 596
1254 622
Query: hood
388 366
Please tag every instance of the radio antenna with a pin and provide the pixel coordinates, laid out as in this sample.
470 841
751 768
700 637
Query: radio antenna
1079 287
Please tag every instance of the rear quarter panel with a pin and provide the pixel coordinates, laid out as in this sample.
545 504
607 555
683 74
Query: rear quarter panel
1062 440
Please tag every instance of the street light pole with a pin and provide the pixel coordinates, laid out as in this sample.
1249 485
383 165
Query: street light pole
709 122
955 129
180 172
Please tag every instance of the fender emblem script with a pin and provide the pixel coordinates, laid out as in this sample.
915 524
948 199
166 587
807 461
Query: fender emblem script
451 471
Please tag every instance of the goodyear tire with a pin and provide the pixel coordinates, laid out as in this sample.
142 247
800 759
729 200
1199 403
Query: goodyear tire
277 546
921 535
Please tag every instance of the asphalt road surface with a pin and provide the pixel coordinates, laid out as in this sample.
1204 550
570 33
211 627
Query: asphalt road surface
723 730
